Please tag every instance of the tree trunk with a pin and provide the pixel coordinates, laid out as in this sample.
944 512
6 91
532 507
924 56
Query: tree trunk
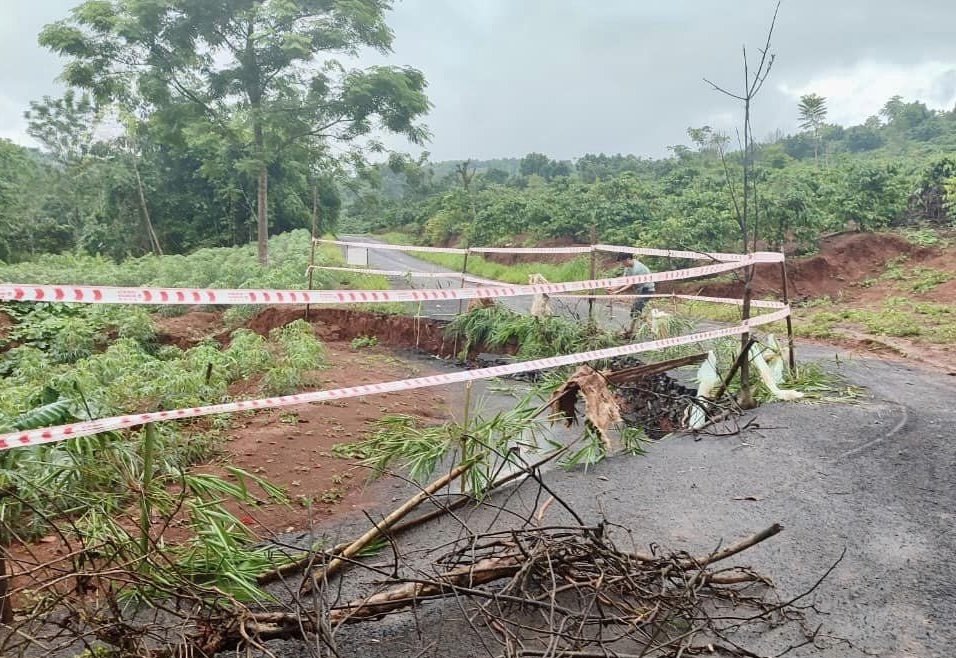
263 199
6 605
746 399
154 241
315 210
263 216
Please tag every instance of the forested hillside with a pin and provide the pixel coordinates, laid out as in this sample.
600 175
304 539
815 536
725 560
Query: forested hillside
898 167
175 149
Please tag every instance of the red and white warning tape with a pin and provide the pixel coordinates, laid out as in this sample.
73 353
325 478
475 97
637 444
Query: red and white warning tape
87 428
393 247
530 250
756 257
458 276
177 296
756 303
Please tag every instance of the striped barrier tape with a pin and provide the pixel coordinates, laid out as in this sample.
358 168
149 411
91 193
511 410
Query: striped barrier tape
393 247
178 296
756 257
88 428
530 250
756 303
409 273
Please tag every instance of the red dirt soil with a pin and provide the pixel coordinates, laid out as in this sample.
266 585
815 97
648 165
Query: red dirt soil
292 448
843 261
184 331
521 240
331 324
6 322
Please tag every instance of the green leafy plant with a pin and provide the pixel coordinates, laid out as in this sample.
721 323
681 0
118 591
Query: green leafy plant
361 342
499 327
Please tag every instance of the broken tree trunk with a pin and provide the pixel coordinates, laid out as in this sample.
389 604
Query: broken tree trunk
355 547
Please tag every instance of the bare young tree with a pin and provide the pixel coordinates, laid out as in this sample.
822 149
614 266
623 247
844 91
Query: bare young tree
747 210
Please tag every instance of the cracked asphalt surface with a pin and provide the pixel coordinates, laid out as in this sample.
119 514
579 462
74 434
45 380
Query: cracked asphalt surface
875 478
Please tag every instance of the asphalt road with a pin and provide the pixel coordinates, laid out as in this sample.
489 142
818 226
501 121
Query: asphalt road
875 478
613 316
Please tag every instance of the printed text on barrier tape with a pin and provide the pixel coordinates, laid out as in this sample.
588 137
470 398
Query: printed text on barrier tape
87 428
178 296
759 257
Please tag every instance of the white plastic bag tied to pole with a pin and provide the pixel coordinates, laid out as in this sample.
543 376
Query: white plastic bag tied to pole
660 323
708 381
773 355
771 376
540 304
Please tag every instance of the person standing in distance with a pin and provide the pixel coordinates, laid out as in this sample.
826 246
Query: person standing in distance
634 267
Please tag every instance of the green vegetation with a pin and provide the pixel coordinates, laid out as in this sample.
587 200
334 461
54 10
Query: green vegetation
896 317
226 114
818 383
71 363
405 441
135 374
577 269
917 279
534 338
894 170
361 342
222 267
926 237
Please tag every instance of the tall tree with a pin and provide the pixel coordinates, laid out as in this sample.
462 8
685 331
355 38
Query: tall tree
66 130
747 207
262 73
812 110
535 164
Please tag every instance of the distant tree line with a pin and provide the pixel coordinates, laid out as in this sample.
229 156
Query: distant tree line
897 167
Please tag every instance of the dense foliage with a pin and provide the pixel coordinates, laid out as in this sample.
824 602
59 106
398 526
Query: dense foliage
896 168
189 124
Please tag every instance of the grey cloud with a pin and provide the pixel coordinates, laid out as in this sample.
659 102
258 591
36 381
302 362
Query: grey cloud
571 76
27 72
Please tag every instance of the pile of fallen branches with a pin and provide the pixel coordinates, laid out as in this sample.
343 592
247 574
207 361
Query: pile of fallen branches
524 590
558 590
570 589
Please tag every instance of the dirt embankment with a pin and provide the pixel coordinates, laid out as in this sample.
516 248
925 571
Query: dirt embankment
843 261
331 324
6 323
341 324
521 240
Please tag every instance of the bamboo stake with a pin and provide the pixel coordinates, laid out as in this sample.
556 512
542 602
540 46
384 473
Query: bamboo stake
786 300
592 270
355 547
6 602
315 225
744 353
464 271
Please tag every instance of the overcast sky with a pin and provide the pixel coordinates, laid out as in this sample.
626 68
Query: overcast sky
566 77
